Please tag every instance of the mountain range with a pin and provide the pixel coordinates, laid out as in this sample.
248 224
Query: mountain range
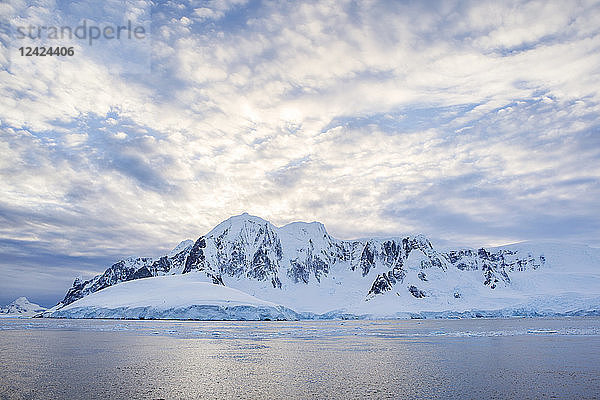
303 269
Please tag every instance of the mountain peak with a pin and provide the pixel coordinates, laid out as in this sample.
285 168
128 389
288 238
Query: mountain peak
305 229
22 306
21 302
184 244
236 223
245 217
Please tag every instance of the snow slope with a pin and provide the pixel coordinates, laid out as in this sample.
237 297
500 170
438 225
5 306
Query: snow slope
300 266
173 297
21 308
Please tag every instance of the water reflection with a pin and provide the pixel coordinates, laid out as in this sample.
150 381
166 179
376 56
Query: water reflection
364 359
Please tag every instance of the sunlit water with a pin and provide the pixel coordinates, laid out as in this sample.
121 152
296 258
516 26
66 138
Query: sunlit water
506 358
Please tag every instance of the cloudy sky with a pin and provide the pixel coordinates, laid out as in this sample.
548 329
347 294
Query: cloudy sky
476 123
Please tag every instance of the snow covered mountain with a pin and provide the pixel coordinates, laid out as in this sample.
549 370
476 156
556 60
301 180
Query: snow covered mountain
21 307
302 267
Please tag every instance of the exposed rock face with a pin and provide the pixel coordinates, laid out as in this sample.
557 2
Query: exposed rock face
494 265
419 294
124 270
247 247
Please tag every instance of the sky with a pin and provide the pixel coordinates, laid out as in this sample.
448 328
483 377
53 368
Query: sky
476 123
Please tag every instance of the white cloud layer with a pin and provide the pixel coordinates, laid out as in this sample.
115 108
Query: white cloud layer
473 122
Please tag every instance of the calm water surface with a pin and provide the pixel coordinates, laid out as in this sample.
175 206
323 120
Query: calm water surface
470 359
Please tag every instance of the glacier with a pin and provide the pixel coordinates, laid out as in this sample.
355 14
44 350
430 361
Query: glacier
303 272
174 297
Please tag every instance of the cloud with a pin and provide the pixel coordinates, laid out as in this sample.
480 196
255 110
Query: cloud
289 174
40 273
472 122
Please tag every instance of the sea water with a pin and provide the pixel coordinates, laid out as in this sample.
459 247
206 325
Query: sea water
470 359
